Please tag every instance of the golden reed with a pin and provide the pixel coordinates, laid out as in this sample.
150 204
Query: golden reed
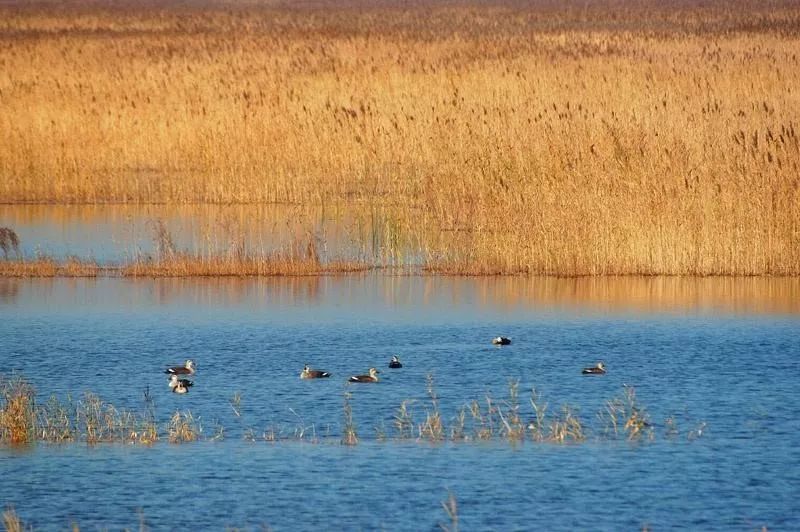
558 139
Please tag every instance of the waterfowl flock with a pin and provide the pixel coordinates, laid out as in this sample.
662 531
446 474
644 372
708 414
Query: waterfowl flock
181 386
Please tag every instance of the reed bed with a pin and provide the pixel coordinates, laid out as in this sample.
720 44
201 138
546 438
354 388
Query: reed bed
559 138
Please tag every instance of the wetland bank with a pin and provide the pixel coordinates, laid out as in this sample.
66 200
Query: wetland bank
260 186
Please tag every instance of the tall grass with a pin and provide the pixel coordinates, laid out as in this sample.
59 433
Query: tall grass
558 138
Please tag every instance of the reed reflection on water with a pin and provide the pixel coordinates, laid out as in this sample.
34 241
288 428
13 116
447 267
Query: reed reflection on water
761 295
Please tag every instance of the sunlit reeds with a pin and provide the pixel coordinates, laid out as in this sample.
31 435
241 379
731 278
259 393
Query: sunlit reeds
551 138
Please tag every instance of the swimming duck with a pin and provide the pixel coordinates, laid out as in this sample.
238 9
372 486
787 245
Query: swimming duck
395 362
501 340
599 369
187 369
179 385
372 377
309 373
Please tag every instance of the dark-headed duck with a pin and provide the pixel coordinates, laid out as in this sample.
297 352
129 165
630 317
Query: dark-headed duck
395 362
372 377
309 373
599 369
501 340
186 369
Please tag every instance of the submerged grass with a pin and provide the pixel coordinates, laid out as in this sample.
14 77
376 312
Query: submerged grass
542 138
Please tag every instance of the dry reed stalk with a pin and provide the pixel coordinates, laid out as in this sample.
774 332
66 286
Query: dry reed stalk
12 521
432 428
549 141
513 428
349 434
537 426
451 508
404 420
458 427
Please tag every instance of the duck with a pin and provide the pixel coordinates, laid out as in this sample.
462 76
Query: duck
395 362
599 369
309 373
179 385
372 377
501 340
186 369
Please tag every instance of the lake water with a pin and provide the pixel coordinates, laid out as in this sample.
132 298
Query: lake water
716 354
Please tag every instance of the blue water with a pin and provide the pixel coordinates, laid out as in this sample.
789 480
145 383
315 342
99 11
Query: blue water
723 367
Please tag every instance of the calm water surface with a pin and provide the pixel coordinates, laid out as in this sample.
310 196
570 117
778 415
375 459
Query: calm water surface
700 351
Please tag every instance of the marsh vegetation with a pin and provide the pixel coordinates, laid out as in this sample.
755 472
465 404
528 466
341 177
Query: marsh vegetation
91 420
557 138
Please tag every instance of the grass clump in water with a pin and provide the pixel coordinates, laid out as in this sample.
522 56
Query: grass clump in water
18 412
624 415
183 427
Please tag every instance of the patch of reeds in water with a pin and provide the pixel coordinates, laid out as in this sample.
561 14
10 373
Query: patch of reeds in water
184 428
91 420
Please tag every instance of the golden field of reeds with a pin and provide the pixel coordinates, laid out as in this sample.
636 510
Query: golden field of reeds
559 138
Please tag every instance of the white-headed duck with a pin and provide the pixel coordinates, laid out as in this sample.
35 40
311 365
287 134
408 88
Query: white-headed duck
372 377
186 369
599 369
